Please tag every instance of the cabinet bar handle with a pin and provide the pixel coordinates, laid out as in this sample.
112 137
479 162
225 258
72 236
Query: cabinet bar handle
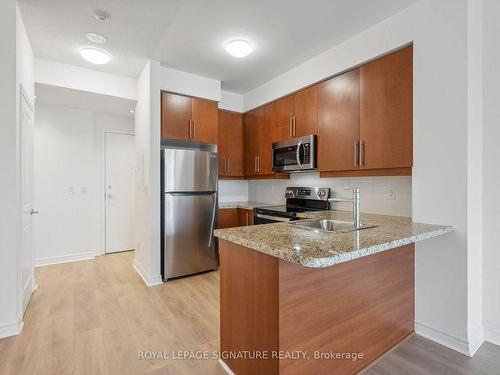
356 153
194 129
227 159
294 123
258 162
290 126
189 129
255 164
362 153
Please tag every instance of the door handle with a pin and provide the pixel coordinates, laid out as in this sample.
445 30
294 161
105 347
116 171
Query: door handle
34 211
297 154
212 225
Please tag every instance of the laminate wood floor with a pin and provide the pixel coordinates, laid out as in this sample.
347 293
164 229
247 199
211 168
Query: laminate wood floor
96 316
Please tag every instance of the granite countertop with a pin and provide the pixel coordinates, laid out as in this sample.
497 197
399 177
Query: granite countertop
243 204
316 248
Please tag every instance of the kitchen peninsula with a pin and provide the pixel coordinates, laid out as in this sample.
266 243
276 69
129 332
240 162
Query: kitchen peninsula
341 299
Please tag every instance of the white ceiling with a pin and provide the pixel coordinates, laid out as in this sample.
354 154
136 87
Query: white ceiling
110 105
189 35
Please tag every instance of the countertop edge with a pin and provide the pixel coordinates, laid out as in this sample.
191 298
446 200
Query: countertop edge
338 258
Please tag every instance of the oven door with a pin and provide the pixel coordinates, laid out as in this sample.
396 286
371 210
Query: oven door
295 155
262 218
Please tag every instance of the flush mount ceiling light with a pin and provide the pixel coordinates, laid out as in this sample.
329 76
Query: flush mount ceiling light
95 56
96 38
101 15
239 47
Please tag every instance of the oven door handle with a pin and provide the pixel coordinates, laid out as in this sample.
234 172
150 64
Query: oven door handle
297 154
268 217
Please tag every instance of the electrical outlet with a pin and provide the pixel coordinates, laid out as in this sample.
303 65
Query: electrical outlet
391 192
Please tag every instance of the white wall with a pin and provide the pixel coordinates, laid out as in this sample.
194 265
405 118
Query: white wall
439 32
152 80
8 165
491 260
69 181
231 101
233 191
74 77
374 191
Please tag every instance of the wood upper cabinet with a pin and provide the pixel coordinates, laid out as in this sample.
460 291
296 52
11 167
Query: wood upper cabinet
188 119
284 110
258 140
365 119
175 116
338 123
296 115
386 111
306 112
231 144
205 119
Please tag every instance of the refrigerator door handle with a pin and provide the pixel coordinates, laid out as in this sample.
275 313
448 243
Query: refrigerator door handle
212 225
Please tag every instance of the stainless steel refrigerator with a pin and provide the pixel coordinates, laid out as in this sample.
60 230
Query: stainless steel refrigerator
189 208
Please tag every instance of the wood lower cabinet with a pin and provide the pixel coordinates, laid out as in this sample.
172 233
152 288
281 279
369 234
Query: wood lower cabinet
188 119
386 111
231 145
296 115
227 218
245 217
338 123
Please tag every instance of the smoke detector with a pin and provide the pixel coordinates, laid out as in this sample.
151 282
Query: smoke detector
101 15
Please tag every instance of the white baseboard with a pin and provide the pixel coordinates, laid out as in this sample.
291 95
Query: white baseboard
492 335
460 345
64 259
11 329
148 280
225 367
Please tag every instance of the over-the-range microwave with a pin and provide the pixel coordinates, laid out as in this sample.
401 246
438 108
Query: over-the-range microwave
295 155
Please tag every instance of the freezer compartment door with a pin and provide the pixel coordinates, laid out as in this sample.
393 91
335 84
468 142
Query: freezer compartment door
188 224
189 170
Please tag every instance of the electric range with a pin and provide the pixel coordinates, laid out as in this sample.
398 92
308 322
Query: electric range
298 199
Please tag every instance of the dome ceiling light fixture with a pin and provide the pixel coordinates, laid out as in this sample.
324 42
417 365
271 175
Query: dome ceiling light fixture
96 38
239 47
95 56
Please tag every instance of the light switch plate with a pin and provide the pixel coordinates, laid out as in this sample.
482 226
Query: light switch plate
391 192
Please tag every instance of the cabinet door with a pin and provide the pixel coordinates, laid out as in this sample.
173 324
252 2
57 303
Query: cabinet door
265 123
251 141
221 143
338 122
234 146
245 217
205 120
283 113
306 112
175 116
227 218
386 111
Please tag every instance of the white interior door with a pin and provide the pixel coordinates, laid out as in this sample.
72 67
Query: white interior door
26 256
120 189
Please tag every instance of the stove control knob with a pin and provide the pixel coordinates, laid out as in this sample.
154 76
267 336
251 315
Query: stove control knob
321 193
289 192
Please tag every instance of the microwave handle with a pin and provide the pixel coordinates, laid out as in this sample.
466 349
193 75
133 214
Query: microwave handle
297 154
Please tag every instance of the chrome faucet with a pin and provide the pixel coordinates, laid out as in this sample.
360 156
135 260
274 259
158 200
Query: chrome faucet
355 205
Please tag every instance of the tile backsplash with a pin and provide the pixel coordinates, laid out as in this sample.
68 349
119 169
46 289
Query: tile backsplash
382 195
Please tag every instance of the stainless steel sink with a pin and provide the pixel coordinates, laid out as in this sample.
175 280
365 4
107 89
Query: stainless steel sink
330 225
